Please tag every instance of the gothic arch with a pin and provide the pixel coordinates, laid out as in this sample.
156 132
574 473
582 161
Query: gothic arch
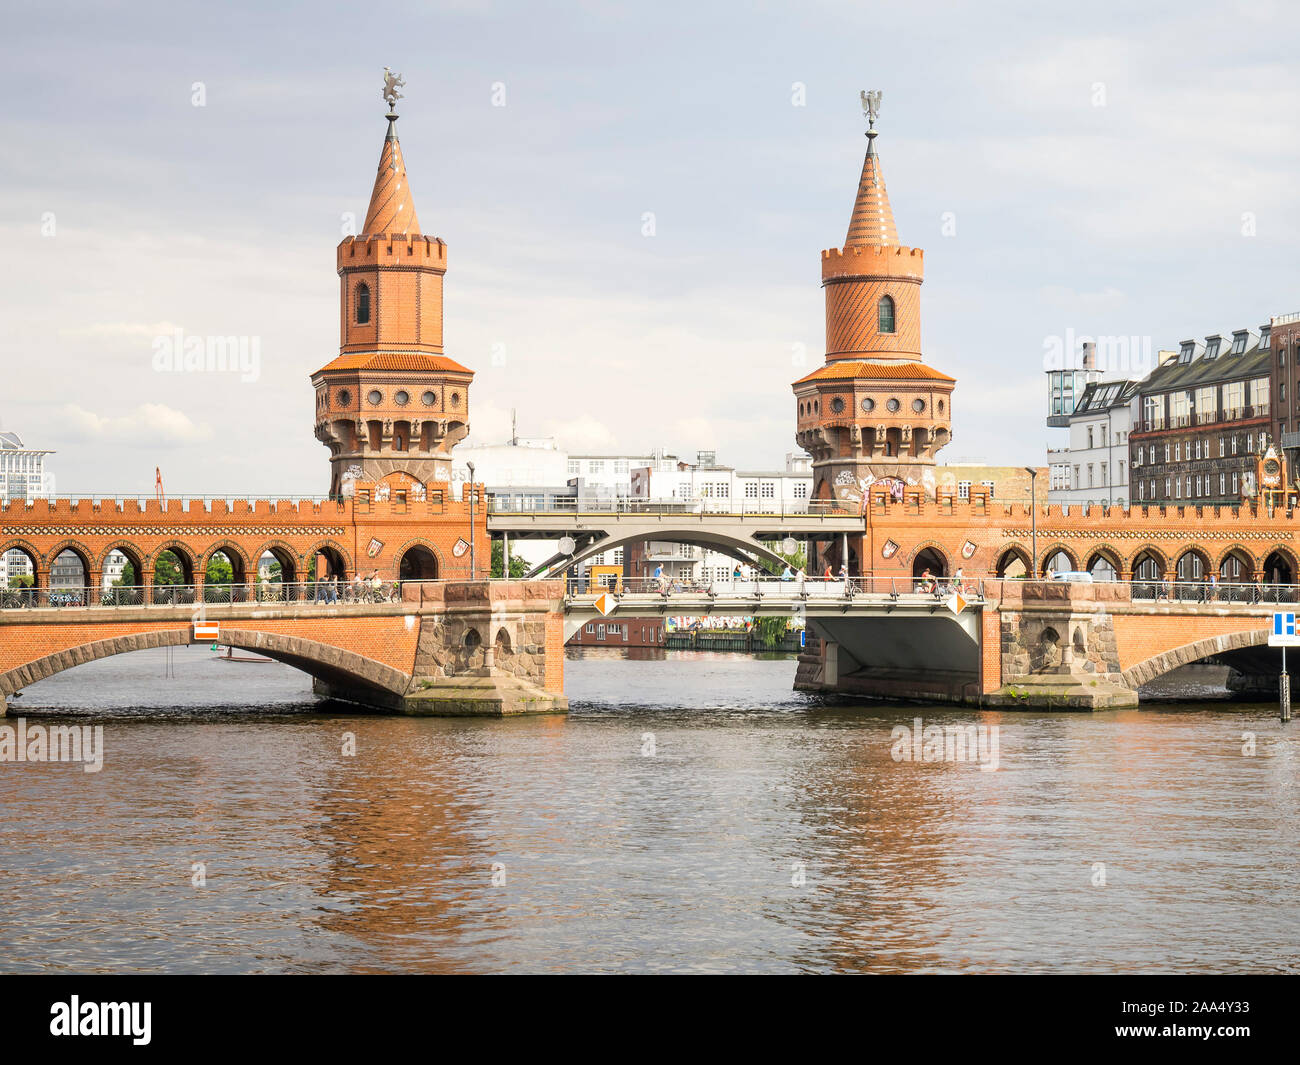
76 547
1241 552
432 548
281 550
189 564
1012 551
232 551
1148 549
1110 554
1052 549
33 556
334 546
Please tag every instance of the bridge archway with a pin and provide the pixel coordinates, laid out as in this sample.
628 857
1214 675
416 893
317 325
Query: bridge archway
21 555
1193 565
338 564
418 563
749 551
132 575
69 573
1279 567
1013 563
1059 559
322 661
1104 564
277 563
930 558
1235 565
1157 665
173 563
233 556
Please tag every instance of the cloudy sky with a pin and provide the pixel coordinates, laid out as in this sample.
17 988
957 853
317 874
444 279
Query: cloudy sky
1099 169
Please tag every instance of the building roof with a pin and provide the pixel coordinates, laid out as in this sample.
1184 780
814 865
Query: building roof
847 369
873 219
11 441
1101 396
391 208
1198 371
409 361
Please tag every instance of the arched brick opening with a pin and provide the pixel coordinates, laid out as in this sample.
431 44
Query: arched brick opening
1158 665
1013 562
1104 564
322 661
1057 558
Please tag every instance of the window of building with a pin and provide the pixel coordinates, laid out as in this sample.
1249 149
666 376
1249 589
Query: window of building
575 467
1153 412
1223 447
1167 450
1104 482
1168 482
769 490
1259 394
800 491
1121 471
363 303
1234 398
885 314
1223 484
1090 475
963 489
1234 484
1142 489
990 486
595 466
1090 436
1189 486
1180 406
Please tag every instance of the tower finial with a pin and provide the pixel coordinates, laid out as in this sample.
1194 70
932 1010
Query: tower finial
871 109
392 82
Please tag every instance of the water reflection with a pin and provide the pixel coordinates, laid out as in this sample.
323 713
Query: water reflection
692 813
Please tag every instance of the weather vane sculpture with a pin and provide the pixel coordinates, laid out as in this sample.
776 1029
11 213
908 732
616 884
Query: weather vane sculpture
871 106
392 82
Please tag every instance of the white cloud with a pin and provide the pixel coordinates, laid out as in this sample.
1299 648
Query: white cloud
148 424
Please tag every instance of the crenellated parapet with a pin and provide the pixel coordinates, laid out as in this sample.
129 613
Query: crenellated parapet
874 260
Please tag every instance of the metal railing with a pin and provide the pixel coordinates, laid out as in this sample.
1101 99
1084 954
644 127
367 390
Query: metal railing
171 595
777 587
568 505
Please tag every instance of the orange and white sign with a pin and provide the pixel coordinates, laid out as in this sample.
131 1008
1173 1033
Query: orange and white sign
605 603
955 602
206 630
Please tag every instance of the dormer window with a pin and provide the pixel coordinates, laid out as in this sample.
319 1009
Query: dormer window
1239 339
885 315
1212 346
1265 335
1186 351
363 304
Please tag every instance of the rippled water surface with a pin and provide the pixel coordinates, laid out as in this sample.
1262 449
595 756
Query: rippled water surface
618 859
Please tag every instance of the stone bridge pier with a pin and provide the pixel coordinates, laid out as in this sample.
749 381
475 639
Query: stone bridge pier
1039 644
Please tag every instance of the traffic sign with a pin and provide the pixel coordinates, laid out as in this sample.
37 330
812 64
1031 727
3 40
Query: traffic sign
955 602
206 630
605 602
1284 633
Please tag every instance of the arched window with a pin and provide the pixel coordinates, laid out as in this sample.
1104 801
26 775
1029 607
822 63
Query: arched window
885 314
363 304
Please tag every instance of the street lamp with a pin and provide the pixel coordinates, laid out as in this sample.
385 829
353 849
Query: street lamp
471 520
1033 511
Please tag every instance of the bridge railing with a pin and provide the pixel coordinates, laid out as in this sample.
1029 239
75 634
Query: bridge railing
172 595
778 587
516 504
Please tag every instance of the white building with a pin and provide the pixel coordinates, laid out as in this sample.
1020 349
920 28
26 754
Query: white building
23 476
1093 468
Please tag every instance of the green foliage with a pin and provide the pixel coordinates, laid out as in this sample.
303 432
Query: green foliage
168 569
21 580
127 579
798 561
771 631
518 567
220 571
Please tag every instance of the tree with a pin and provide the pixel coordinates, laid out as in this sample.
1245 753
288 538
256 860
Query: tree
220 571
168 569
797 562
21 580
771 631
127 579
518 567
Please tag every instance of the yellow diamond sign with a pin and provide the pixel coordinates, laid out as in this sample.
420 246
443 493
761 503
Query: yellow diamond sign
606 602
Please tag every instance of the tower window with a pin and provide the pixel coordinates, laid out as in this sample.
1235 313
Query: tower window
885 314
363 304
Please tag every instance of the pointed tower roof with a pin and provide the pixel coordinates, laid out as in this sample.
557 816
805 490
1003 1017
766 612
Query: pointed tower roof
391 208
873 219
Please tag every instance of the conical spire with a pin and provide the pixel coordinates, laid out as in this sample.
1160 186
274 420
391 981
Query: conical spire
873 219
391 208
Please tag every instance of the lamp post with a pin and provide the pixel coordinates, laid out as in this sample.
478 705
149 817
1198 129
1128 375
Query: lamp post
1033 512
471 520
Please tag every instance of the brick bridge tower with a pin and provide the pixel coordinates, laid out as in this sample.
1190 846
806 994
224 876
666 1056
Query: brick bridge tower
392 403
874 412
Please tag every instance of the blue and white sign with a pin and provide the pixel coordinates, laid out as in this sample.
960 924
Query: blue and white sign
1283 633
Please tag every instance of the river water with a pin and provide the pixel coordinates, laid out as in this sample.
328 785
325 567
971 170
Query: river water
691 814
